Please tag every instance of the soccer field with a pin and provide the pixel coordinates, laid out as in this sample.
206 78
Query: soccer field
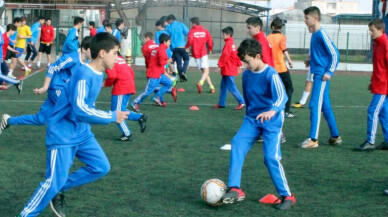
161 171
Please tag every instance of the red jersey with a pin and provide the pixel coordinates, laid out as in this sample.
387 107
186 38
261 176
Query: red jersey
379 81
93 32
229 61
147 49
157 62
5 45
197 39
46 34
266 49
122 77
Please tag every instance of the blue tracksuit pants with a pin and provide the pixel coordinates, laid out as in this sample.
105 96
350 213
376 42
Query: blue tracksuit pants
320 103
151 85
251 130
58 179
377 111
39 118
227 83
120 103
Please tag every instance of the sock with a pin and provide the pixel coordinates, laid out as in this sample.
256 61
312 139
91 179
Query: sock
211 87
133 116
10 72
304 98
200 82
314 140
38 63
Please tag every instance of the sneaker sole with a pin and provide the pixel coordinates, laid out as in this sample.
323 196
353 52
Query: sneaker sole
55 211
232 200
314 146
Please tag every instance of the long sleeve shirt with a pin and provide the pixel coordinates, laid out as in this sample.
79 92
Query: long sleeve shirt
198 37
117 34
35 29
147 49
229 62
266 49
71 42
47 34
178 32
157 62
379 80
122 77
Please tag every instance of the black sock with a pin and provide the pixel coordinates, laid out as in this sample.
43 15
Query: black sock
314 140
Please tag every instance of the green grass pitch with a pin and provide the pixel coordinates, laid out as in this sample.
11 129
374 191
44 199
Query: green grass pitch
161 171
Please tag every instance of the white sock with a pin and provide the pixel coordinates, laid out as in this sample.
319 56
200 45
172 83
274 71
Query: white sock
10 71
304 98
38 63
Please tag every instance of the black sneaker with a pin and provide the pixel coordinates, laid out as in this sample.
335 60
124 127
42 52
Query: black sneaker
143 123
382 146
19 86
286 202
125 138
183 77
57 205
233 195
366 146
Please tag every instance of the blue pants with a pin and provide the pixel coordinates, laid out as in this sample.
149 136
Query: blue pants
320 102
151 85
4 73
247 135
120 102
58 179
227 83
39 118
179 54
377 110
31 49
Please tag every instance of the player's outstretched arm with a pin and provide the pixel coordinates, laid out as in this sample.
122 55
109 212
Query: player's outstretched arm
64 62
43 89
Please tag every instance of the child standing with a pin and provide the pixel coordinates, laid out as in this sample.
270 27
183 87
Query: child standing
278 42
265 98
324 58
122 78
378 108
229 64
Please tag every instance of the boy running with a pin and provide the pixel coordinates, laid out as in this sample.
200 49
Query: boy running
71 42
11 54
24 33
31 42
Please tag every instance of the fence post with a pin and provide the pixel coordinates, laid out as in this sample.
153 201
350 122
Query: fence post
347 46
304 39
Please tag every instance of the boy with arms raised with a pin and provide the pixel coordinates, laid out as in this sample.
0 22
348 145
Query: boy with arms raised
265 99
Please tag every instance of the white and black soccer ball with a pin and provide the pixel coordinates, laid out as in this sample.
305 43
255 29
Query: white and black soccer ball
212 191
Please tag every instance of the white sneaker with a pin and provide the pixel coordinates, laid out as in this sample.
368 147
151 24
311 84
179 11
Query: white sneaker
308 143
226 147
10 75
4 122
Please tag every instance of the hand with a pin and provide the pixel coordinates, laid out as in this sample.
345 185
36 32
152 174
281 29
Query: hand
14 41
266 116
218 70
307 63
121 116
188 50
370 87
39 91
326 77
291 64
169 60
32 43
16 52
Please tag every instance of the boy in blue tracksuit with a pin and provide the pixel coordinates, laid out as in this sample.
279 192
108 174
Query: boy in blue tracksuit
324 58
71 43
178 33
31 42
56 78
265 100
73 114
102 27
119 28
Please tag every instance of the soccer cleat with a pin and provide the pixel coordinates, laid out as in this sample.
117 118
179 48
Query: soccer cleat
135 107
199 87
385 192
382 146
298 105
308 143
240 106
286 202
289 115
19 86
366 146
183 77
3 87
283 139
143 123
125 138
4 122
164 104
156 100
217 106
334 141
28 71
57 205
233 195
174 94
212 90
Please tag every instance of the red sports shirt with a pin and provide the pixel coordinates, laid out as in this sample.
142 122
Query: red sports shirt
93 32
379 81
266 49
197 39
46 34
5 45
122 77
147 49
229 61
157 62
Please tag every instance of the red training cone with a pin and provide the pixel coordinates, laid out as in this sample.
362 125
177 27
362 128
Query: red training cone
269 199
194 108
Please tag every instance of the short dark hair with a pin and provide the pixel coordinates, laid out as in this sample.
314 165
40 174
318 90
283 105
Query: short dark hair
78 20
277 23
163 38
163 19
48 18
23 19
313 10
108 25
40 18
11 27
102 41
255 21
148 35
85 44
228 30
250 47
159 23
17 20
171 17
195 20
92 23
119 22
378 23
104 22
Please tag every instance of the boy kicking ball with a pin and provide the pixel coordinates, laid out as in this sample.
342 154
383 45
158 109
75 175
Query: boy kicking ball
265 99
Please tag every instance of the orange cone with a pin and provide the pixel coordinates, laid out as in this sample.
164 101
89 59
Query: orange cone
194 108
269 199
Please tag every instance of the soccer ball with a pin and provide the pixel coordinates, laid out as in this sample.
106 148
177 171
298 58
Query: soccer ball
212 191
